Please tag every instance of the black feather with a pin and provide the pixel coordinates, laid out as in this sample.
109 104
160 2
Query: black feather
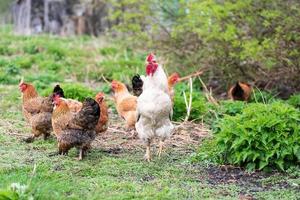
89 114
138 118
137 85
58 91
238 92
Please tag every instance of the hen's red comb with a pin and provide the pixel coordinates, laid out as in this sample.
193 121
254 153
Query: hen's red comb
151 57
175 74
56 99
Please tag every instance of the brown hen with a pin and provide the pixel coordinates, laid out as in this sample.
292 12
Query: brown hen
125 103
102 124
37 111
75 129
240 92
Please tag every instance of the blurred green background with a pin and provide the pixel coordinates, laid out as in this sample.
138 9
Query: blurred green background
253 41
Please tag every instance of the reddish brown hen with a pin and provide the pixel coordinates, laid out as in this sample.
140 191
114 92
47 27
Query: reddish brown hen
102 124
37 111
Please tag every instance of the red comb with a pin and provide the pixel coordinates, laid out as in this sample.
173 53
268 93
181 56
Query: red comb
56 97
151 57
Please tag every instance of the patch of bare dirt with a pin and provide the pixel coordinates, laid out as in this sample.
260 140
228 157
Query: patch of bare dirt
186 137
252 181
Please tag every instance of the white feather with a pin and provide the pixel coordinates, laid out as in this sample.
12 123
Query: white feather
154 108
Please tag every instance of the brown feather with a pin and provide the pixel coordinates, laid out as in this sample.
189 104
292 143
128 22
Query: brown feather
36 110
102 124
126 103
75 129
240 91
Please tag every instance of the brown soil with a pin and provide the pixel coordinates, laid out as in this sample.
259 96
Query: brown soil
187 137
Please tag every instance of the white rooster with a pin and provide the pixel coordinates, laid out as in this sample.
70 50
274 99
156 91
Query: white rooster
154 107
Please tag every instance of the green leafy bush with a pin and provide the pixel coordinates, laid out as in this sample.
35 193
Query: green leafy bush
56 50
294 101
31 49
231 108
199 106
50 65
6 79
217 112
5 50
77 91
12 69
262 136
236 39
265 97
24 62
43 80
9 73
73 91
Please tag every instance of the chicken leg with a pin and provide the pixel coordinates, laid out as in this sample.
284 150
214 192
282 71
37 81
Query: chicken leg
80 154
148 152
161 144
46 136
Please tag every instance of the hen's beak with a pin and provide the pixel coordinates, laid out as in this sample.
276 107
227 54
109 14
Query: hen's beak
21 81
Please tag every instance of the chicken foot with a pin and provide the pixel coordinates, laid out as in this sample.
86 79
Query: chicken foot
29 139
58 153
61 151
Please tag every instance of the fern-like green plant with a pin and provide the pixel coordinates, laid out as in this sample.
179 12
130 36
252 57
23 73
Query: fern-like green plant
261 136
294 101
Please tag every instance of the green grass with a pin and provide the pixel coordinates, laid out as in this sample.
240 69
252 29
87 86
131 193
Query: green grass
106 175
59 59
100 175
44 61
